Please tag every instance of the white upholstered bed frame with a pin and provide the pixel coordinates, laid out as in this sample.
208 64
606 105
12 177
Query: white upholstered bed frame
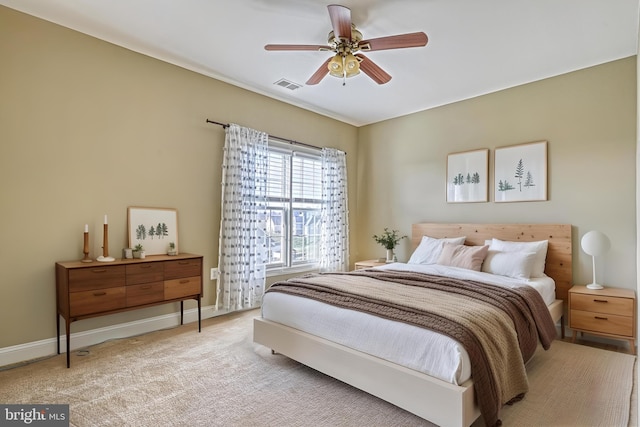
435 400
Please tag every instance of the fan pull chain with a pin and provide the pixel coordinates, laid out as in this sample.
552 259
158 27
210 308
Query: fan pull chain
344 71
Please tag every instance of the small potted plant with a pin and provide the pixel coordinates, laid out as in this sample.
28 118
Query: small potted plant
138 251
172 249
389 239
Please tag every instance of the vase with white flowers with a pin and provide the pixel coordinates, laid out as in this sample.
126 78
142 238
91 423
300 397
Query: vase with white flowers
389 239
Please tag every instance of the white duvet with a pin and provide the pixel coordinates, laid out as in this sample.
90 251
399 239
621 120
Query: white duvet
416 348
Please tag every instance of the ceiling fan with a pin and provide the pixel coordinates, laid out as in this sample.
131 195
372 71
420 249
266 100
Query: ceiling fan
345 40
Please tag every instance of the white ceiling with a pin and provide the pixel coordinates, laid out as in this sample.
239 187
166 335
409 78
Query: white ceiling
475 46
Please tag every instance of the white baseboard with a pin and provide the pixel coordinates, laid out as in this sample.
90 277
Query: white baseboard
48 347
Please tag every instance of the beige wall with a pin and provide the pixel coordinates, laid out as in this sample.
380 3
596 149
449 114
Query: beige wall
588 118
87 129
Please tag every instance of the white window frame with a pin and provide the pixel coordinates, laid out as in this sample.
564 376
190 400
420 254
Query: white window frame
287 265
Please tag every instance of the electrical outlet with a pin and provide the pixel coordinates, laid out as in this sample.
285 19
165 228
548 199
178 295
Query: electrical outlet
215 273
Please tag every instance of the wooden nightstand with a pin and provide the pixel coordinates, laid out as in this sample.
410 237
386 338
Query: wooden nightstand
368 264
608 312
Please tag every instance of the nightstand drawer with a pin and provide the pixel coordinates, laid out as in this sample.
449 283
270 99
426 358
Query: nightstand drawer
602 304
602 323
361 265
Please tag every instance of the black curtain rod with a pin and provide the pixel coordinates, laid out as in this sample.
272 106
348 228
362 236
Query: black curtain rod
290 141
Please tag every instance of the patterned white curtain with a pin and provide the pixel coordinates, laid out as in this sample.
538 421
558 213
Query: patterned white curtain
243 250
334 247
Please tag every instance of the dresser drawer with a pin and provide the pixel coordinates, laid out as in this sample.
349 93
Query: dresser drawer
602 304
144 273
602 323
97 301
84 279
178 288
145 293
182 268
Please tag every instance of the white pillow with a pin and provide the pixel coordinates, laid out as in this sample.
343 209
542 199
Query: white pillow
511 264
540 249
429 249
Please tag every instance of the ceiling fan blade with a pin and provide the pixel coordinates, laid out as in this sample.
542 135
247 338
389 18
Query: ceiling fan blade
320 73
372 70
340 20
285 47
394 42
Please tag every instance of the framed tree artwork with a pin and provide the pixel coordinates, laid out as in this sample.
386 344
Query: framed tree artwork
521 173
467 176
153 228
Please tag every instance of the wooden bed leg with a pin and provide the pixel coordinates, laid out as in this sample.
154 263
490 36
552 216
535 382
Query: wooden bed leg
562 326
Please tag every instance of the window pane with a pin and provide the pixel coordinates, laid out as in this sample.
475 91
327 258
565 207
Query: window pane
306 178
276 235
278 176
306 235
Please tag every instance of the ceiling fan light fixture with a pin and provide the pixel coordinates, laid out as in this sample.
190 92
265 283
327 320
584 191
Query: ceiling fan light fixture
336 68
344 66
352 65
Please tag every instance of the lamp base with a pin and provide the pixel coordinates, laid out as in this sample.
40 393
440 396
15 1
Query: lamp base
105 258
594 286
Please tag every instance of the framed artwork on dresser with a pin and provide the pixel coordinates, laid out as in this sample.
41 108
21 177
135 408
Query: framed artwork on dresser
521 173
467 176
153 228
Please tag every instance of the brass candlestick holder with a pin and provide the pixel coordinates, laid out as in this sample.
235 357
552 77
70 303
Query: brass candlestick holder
105 246
85 251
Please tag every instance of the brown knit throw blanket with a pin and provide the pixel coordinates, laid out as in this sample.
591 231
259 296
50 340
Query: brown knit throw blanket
498 327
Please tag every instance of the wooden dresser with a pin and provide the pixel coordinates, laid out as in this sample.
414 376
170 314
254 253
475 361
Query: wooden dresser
608 312
93 289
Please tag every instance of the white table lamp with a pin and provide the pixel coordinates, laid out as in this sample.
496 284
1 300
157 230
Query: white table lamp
595 243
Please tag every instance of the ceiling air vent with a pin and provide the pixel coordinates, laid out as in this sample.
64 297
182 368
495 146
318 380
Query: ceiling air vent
287 84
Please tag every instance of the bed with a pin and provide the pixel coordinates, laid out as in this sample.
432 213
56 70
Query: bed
441 400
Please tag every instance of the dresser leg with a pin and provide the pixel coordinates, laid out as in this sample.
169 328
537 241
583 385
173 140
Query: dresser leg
67 325
199 317
58 329
182 312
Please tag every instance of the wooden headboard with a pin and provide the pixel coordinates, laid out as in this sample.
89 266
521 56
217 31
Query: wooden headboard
558 265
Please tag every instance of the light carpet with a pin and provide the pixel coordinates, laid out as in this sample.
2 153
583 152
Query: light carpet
178 377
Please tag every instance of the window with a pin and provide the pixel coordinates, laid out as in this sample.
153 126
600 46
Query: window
294 193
